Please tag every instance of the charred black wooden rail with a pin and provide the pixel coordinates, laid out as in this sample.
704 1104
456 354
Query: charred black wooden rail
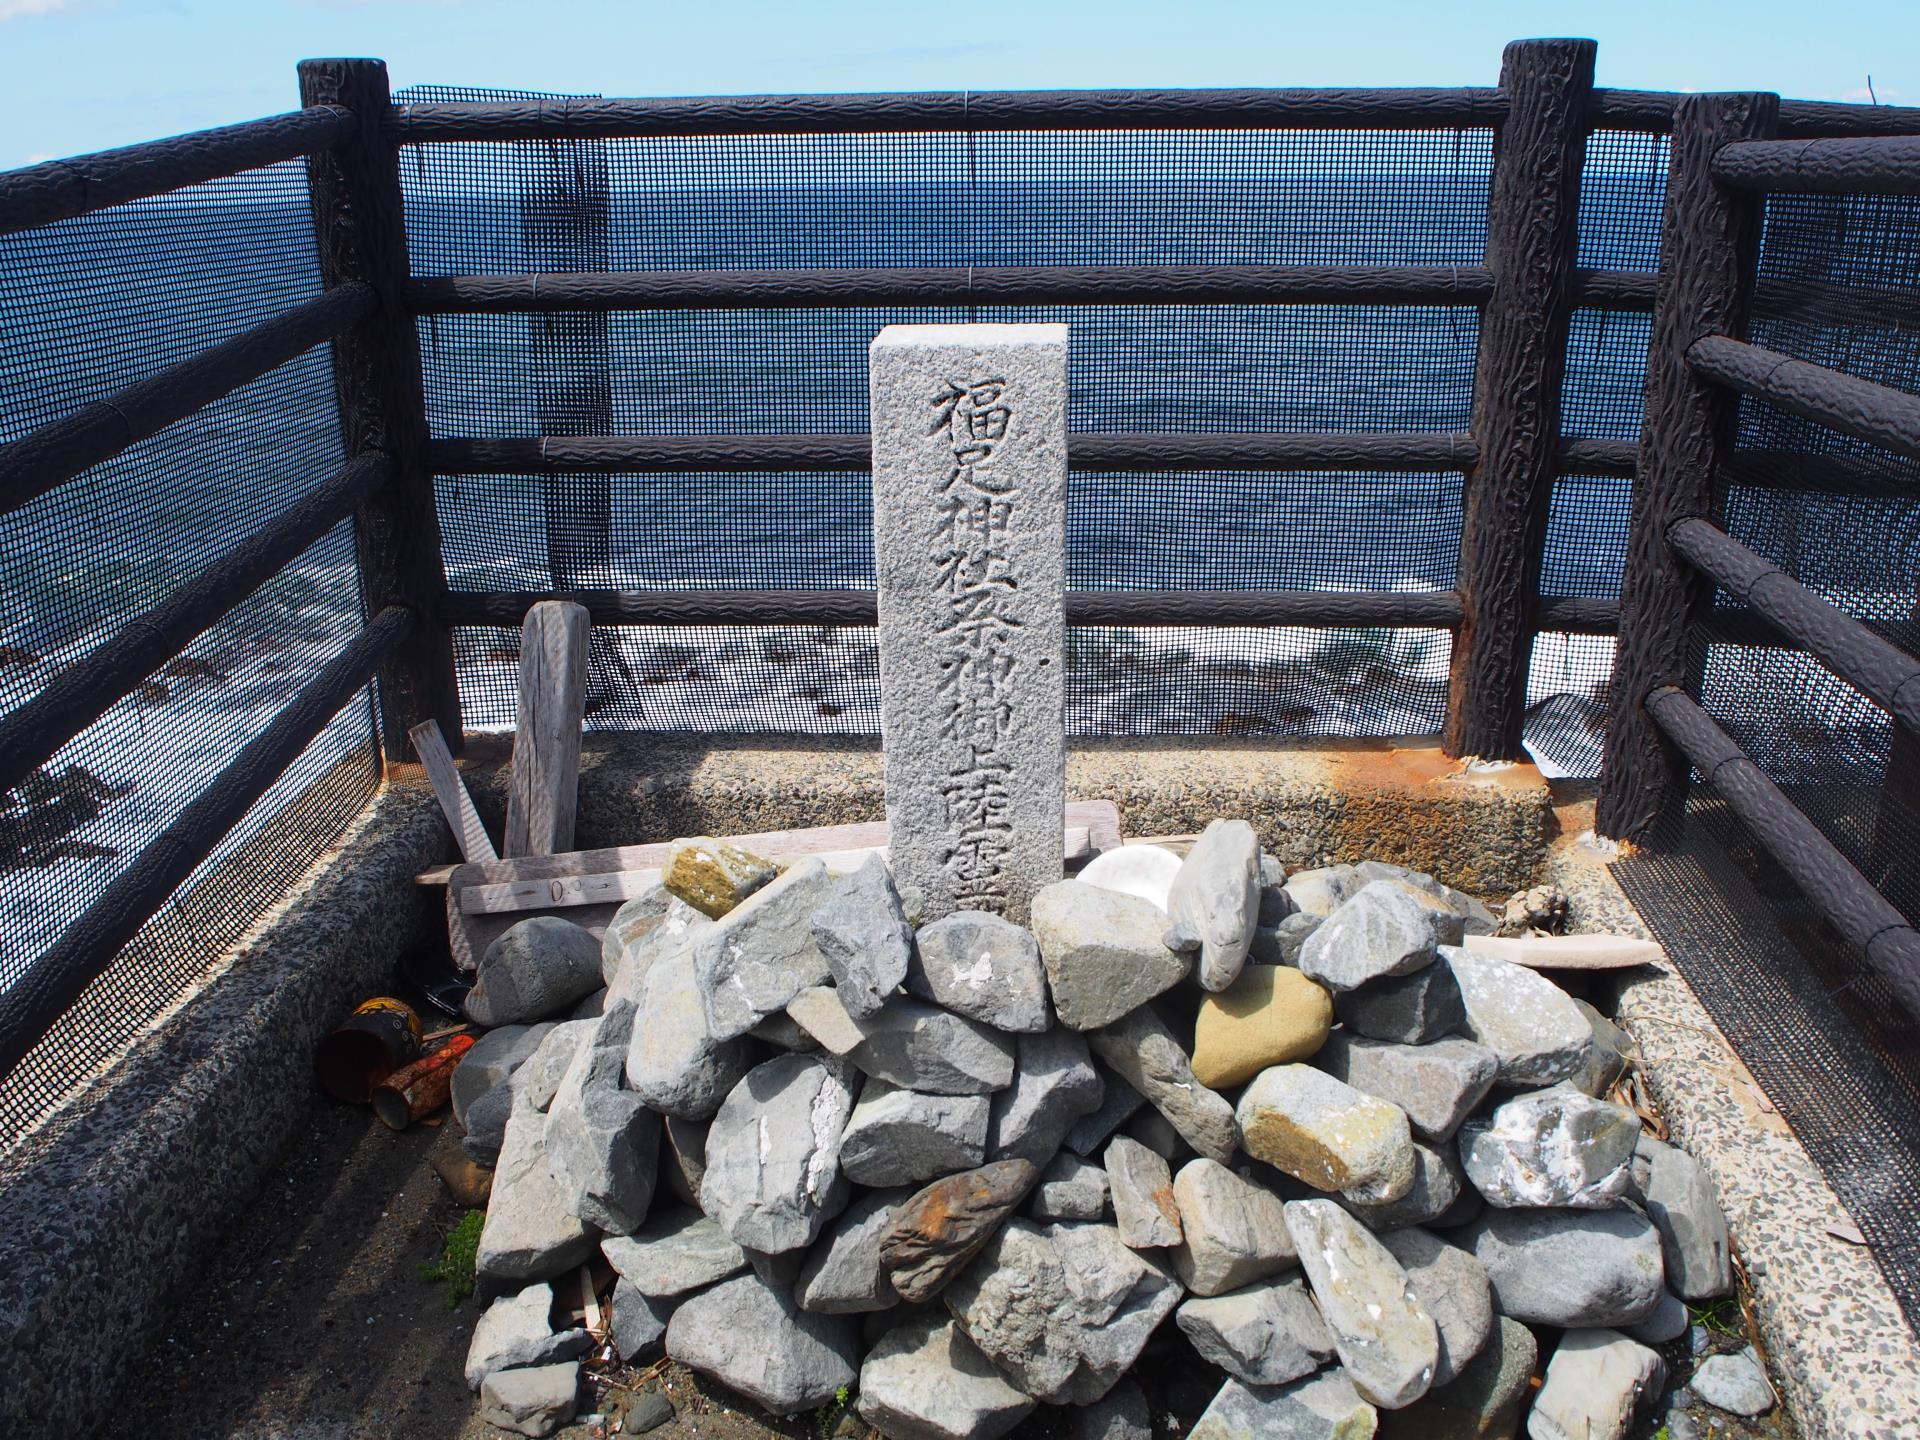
1883 672
30 1006
1845 896
33 732
61 449
62 189
1025 110
1879 414
1882 165
826 289
1121 451
1652 112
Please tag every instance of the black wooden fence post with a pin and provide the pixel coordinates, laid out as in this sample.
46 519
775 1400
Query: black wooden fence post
361 226
1533 237
1709 240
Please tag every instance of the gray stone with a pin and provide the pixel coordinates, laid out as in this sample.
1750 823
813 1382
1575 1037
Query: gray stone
780 1269
1451 1286
1150 1128
1554 1147
494 1056
602 1142
683 1157
1321 1407
1573 1268
1388 1343
1387 928
983 967
1144 1207
530 1232
1614 1053
1483 1402
532 970
911 1043
533 1082
773 1152
1528 1021
647 1410
842 1274
1438 1186
1665 1325
1437 1084
1118 1101
754 1338
1062 1310
514 1333
864 936
628 929
1119 1297
1322 891
1280 942
1327 1134
1232 1231
1734 1383
675 1252
1406 1009
926 1381
969 527
1120 1414
674 1063
639 1321
1103 952
1054 1084
782 1030
1145 1054
534 1401
1476 916
591 1008
1680 1200
940 1228
1070 1188
1267 1333
905 1137
1596 1383
760 954
1216 897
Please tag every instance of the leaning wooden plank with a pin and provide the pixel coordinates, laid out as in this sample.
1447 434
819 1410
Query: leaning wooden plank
544 792
1568 952
448 788
564 891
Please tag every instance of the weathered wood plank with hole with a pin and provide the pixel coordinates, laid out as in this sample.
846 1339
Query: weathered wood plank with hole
543 793
448 788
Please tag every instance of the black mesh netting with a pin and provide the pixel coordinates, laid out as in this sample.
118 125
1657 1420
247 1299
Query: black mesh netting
1834 1048
91 304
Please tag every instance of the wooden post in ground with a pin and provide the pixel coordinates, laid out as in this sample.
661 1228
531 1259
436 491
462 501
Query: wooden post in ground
1709 241
362 233
543 798
1533 237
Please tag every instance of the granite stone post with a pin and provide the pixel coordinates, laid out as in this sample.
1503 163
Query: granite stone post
969 530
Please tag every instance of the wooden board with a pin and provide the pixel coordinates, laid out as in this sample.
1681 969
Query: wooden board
1568 952
543 791
593 884
448 788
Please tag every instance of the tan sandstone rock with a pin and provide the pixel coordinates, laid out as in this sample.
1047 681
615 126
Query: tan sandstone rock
713 875
1269 1015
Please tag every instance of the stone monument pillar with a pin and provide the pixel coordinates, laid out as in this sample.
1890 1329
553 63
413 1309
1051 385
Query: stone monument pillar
969 537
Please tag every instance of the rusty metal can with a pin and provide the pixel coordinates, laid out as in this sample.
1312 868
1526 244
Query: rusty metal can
419 1089
382 1035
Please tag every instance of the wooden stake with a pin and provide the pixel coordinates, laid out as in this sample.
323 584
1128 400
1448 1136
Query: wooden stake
448 788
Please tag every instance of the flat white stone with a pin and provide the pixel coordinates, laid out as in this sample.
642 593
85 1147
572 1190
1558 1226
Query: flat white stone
969 531
1146 871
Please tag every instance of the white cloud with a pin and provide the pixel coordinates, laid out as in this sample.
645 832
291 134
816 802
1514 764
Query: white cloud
19 9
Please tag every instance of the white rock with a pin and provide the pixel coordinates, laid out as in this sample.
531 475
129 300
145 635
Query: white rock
1145 871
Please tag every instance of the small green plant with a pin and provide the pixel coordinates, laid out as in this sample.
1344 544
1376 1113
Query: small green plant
828 1417
457 1255
1722 1316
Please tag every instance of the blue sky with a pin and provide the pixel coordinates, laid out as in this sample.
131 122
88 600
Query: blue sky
79 75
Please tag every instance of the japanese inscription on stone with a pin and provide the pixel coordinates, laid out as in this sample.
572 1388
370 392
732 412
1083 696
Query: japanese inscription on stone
969 531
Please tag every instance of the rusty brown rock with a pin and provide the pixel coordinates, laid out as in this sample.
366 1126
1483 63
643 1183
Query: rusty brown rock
944 1225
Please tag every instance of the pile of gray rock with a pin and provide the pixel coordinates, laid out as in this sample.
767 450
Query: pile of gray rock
965 1167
